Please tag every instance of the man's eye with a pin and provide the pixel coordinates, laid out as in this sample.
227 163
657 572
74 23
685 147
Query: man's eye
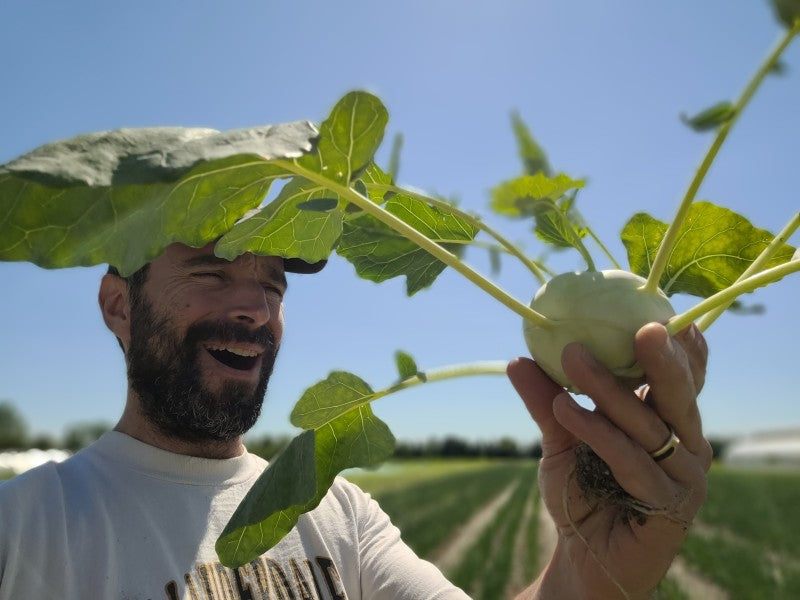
273 290
209 274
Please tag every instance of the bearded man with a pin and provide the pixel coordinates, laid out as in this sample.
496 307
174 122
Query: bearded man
136 514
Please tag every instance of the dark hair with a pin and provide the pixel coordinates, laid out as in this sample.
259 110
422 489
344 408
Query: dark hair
135 281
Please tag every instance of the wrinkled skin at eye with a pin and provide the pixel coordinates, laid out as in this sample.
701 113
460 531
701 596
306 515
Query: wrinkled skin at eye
602 310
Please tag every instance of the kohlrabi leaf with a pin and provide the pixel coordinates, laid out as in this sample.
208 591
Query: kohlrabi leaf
711 118
394 157
287 228
406 365
271 508
533 157
305 220
522 197
374 176
343 432
787 11
122 196
348 138
715 246
379 253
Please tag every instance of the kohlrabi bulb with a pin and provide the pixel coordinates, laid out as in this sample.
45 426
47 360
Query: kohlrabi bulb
602 310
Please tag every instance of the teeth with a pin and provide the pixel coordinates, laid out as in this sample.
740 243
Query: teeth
237 351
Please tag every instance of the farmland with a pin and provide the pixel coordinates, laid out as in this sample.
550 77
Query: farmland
744 544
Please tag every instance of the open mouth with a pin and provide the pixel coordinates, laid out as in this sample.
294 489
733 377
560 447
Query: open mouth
235 358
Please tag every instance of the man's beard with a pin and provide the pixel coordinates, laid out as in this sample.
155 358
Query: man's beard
164 372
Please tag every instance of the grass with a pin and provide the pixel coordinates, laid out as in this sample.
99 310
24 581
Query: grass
742 569
759 505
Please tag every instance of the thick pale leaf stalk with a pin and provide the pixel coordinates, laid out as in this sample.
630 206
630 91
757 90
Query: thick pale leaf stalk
730 294
369 207
671 237
488 367
757 265
508 246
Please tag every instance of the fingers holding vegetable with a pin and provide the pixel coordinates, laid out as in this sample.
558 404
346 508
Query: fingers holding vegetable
675 367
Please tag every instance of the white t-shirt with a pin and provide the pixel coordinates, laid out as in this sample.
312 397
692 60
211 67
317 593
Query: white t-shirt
122 519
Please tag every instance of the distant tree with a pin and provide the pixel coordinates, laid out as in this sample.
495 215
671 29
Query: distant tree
503 448
13 428
43 441
80 435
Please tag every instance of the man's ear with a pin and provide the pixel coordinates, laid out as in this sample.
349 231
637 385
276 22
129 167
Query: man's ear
115 306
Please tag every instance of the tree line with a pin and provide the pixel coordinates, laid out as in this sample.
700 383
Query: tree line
15 435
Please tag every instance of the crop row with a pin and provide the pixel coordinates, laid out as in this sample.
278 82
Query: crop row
486 569
759 506
430 512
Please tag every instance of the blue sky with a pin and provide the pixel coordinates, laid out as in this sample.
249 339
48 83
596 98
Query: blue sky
601 85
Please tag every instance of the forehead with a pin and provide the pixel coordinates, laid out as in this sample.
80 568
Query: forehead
177 257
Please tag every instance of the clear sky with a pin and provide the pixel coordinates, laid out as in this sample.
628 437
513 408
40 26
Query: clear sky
601 84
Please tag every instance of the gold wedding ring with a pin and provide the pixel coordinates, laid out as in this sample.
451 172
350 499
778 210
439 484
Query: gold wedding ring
667 449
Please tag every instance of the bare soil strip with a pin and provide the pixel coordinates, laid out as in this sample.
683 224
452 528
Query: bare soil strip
517 581
694 584
449 554
548 536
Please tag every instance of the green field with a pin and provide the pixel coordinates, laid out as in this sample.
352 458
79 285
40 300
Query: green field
745 541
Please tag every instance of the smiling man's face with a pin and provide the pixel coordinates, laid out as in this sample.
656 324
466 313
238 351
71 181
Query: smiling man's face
203 340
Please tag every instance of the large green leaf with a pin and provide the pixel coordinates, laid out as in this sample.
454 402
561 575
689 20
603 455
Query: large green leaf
714 248
379 253
343 432
122 196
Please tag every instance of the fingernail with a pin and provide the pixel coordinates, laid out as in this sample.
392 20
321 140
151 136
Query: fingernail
690 333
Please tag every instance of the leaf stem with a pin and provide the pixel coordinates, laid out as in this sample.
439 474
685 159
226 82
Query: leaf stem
671 237
509 246
488 367
729 294
423 241
757 265
603 248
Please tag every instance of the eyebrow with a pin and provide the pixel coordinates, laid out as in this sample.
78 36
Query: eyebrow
212 259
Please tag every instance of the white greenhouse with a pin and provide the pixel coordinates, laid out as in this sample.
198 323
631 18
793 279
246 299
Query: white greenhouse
766 449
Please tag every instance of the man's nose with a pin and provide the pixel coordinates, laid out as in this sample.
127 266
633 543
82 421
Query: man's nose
248 304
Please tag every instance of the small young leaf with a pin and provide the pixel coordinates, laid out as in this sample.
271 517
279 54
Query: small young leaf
521 197
379 253
715 246
373 175
787 11
494 261
533 157
710 118
394 157
406 367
